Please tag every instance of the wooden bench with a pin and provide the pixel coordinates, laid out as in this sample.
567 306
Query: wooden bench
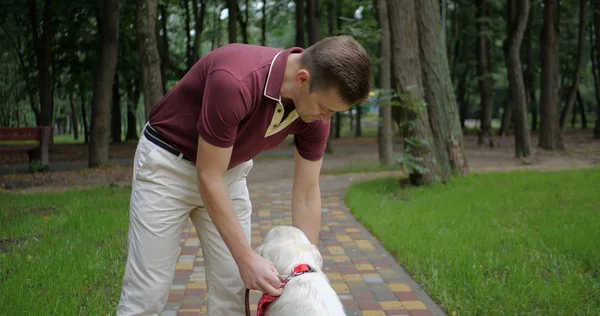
38 151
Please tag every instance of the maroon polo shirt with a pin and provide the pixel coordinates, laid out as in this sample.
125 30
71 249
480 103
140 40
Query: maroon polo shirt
229 98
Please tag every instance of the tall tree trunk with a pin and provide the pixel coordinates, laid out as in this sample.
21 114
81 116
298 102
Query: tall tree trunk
86 130
550 78
386 137
515 80
43 52
232 20
74 116
313 15
99 140
148 51
579 63
407 70
300 30
199 17
115 117
582 111
529 71
484 74
133 98
263 24
439 91
596 63
243 21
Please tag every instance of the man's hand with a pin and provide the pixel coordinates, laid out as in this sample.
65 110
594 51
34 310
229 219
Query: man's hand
306 197
260 274
211 165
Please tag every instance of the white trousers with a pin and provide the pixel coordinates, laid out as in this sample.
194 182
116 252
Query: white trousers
164 195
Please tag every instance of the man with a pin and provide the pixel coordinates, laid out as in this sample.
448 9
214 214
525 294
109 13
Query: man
197 150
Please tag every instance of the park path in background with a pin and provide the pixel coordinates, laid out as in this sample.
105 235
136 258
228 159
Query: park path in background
366 277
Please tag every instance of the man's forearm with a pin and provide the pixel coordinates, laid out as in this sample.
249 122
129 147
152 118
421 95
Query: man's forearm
221 211
306 212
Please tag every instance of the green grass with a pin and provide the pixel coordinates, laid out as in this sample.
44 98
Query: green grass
520 243
62 253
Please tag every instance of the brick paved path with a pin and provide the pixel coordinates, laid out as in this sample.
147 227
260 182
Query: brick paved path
366 277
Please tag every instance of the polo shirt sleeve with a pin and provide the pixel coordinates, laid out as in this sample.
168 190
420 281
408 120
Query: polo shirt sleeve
224 106
311 142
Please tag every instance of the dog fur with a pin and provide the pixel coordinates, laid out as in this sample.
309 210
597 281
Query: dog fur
306 294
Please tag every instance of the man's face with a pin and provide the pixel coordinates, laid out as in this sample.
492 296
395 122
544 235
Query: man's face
317 105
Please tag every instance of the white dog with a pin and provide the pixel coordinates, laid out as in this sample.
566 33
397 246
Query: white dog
308 293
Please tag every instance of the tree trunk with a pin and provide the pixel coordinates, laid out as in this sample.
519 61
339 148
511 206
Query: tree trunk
263 24
74 116
133 98
109 34
43 52
148 51
115 118
529 71
300 37
386 136
596 61
86 130
439 92
581 107
232 20
516 85
579 63
313 14
550 78
484 74
407 70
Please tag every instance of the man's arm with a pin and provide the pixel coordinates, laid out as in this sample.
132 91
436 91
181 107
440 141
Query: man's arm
306 196
211 165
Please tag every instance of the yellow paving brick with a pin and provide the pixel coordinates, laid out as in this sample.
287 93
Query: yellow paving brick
412 305
199 253
352 277
388 305
191 310
334 276
337 212
192 242
373 313
340 258
264 213
352 230
197 285
343 238
398 287
340 287
336 250
365 267
184 266
364 244
334 224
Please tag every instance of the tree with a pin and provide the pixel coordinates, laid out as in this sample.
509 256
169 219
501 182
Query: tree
550 78
148 51
439 92
102 96
386 145
484 74
579 63
518 99
409 84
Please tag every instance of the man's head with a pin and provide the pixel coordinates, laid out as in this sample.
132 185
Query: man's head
334 74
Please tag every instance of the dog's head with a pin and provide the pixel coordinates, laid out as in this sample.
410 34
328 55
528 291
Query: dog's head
286 246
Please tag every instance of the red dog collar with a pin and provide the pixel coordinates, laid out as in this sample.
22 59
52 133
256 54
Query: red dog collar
267 298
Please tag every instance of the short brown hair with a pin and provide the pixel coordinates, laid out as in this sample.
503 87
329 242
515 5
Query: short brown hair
339 62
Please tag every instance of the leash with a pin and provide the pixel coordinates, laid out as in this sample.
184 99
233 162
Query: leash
247 303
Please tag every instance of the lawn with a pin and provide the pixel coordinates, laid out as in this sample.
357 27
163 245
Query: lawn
519 243
62 253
